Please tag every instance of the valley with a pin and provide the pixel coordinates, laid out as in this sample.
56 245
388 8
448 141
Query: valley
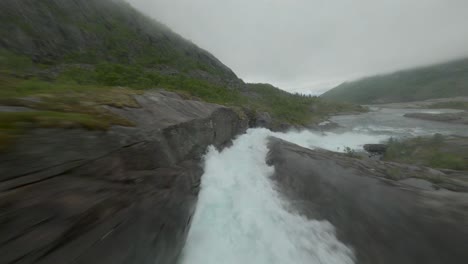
122 142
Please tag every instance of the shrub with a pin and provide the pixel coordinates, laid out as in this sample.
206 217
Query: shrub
435 151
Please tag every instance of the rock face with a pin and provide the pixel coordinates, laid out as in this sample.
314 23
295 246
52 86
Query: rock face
263 119
377 211
121 196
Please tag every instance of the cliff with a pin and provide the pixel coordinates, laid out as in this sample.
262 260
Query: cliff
125 195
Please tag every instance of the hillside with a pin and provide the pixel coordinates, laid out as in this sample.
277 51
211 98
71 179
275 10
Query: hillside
293 108
64 63
55 34
438 81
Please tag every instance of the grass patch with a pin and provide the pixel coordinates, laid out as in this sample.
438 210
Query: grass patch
139 78
47 119
59 104
437 152
79 93
282 106
294 108
13 124
11 62
63 96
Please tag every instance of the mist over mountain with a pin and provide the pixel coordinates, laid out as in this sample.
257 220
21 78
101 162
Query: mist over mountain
437 81
308 46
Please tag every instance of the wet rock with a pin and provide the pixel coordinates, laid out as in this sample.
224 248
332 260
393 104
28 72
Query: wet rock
375 210
263 119
376 148
418 183
125 195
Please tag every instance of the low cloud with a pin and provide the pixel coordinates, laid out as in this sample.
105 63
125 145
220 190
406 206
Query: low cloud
311 45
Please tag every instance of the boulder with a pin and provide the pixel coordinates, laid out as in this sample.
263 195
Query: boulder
263 119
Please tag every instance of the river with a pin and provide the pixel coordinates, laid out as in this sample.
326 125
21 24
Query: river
242 219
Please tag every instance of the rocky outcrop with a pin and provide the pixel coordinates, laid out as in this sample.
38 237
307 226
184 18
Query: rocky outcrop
383 211
121 196
260 119
376 148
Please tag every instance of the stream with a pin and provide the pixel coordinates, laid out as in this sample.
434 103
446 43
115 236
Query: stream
242 218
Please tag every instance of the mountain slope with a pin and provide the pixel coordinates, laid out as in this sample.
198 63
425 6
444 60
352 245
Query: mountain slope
54 32
438 81
65 60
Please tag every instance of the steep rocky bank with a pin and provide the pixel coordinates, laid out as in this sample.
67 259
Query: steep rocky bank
384 211
125 195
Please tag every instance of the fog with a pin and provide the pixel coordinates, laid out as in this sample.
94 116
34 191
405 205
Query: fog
309 46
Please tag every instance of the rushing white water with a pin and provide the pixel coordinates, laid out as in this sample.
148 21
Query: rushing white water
242 219
392 122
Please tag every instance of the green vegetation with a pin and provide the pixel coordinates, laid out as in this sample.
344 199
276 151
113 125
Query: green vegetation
83 90
283 106
351 153
139 79
99 31
293 108
13 124
59 104
439 81
67 60
62 96
437 152
11 62
17 120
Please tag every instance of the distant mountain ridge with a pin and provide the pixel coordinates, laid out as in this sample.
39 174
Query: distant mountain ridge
437 81
53 32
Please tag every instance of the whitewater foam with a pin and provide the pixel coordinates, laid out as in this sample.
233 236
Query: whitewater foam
241 218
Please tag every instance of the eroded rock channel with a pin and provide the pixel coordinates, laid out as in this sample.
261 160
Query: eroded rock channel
121 196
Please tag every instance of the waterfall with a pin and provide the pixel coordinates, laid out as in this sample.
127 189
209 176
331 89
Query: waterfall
242 219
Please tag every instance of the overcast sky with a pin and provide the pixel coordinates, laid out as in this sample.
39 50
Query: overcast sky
310 45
